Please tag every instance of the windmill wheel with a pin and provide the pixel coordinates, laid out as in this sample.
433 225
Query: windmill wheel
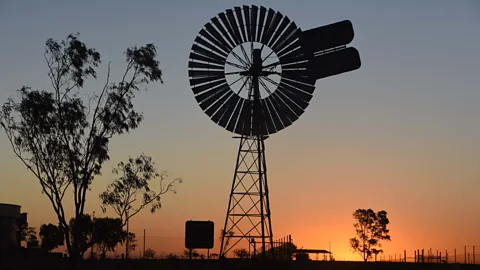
239 49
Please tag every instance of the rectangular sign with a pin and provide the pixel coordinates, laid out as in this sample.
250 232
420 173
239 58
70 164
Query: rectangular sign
199 234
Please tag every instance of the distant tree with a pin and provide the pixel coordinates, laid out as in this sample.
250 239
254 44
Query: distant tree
130 240
107 234
24 232
371 229
213 256
131 191
241 253
81 234
149 254
172 256
63 140
51 236
228 236
195 253
32 241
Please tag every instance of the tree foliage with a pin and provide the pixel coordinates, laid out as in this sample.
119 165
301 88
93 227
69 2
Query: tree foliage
51 236
131 192
241 253
371 229
108 233
225 236
103 233
149 254
24 232
32 241
62 139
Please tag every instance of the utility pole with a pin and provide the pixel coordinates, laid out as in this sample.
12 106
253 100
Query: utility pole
144 230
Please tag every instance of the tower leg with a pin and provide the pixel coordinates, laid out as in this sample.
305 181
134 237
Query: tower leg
248 218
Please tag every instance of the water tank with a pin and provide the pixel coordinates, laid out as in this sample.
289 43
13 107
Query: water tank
9 216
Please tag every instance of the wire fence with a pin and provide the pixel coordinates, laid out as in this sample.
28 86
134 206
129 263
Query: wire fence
465 255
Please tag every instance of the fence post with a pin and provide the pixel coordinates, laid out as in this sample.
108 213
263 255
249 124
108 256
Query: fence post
405 255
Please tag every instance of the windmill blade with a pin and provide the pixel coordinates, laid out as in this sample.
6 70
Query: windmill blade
200 80
261 22
201 41
209 54
192 64
224 32
253 23
246 13
234 25
220 39
214 97
232 105
241 23
218 103
228 105
268 117
210 85
199 57
281 28
236 114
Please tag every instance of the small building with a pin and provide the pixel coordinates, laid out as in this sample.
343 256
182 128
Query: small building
10 220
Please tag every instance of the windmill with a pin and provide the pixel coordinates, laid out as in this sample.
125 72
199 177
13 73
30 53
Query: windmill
253 72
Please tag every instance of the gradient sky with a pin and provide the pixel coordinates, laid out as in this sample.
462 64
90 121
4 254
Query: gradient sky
399 134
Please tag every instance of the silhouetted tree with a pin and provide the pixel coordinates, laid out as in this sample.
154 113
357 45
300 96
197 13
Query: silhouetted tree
32 241
371 229
131 191
63 140
107 234
149 254
24 232
194 253
51 236
130 240
172 256
81 233
241 253
103 233
228 236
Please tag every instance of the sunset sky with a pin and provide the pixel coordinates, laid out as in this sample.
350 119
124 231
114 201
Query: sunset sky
400 134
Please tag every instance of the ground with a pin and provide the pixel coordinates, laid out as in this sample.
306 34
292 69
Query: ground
30 261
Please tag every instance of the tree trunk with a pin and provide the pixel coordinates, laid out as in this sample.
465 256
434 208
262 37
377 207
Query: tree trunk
127 242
